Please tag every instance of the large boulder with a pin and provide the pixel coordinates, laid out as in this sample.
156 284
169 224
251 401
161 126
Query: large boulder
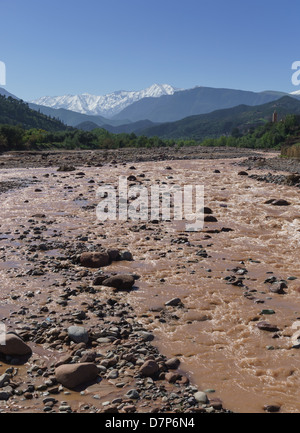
120 282
14 346
95 259
73 375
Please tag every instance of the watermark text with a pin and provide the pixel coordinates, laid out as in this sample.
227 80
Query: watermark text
2 74
158 202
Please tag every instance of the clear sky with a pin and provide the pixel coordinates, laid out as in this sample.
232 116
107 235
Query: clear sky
98 46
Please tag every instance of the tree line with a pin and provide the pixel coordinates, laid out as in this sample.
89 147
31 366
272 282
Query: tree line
270 135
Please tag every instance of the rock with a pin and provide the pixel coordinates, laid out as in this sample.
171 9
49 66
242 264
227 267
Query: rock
278 287
242 173
114 255
78 334
113 374
267 312
133 394
120 282
207 211
98 280
72 375
146 336
272 408
216 403
172 377
293 179
172 363
66 167
127 256
210 219
94 259
4 395
4 378
149 368
14 346
201 397
89 357
129 408
266 326
280 202
64 360
295 339
184 380
175 302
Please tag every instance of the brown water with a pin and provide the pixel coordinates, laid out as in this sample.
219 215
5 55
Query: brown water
215 334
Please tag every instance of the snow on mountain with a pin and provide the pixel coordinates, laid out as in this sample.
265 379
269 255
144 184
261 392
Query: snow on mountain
297 92
107 105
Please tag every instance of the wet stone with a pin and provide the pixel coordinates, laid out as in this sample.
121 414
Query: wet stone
78 334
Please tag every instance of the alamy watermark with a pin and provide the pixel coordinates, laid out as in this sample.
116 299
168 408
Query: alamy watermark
2 74
296 75
2 334
158 202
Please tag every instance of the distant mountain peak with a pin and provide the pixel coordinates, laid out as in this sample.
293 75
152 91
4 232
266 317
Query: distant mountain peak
105 105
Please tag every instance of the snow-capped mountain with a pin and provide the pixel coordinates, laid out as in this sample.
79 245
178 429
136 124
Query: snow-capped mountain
297 93
107 105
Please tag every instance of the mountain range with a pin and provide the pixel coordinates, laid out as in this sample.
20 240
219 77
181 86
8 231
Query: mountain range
168 112
158 103
107 105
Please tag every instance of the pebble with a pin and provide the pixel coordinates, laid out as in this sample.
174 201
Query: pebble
201 397
114 374
133 394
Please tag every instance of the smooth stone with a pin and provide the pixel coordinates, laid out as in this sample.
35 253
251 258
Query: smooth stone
126 256
94 259
78 334
120 282
15 346
149 368
72 375
265 326
201 397
172 363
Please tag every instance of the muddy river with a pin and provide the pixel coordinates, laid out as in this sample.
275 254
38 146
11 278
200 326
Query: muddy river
219 273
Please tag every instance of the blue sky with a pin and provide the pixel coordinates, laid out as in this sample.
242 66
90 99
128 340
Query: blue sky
96 46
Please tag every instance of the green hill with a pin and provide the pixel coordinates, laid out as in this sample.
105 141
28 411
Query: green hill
17 112
238 120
